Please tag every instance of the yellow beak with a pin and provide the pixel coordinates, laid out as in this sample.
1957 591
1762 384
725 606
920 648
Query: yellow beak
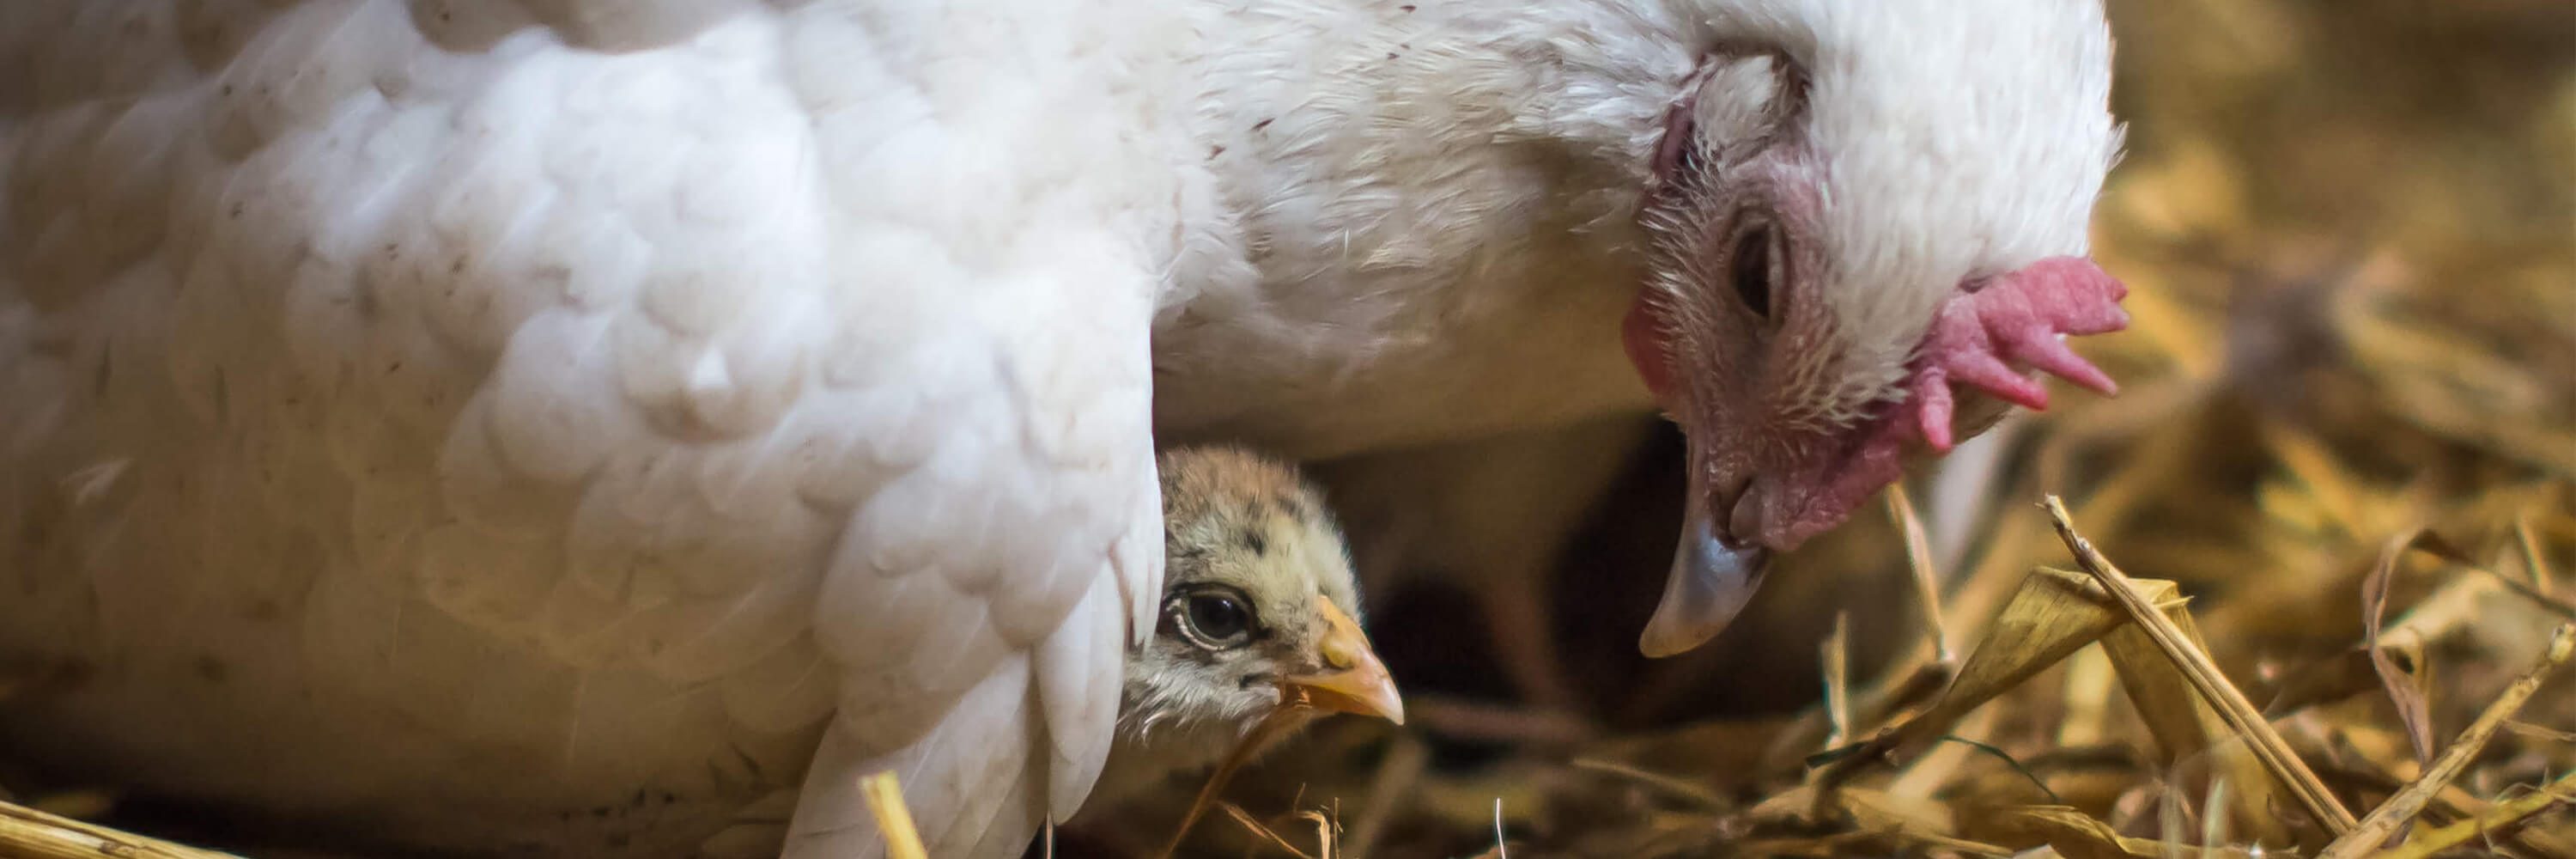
1350 679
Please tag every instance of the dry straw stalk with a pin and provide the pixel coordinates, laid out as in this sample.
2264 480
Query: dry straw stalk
2285 765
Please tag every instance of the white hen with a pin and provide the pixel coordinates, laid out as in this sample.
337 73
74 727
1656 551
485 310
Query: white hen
1853 220
560 425
545 416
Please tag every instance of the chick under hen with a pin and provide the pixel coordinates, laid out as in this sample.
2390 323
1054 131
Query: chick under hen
1260 612
1259 630
459 418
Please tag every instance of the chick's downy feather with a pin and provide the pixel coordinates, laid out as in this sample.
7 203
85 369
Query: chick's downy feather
1258 632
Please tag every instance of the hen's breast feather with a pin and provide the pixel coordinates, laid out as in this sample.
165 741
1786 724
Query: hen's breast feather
470 390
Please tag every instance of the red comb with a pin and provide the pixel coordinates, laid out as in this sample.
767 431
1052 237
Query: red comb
1979 333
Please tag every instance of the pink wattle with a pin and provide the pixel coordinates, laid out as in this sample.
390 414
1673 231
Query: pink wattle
1977 337
1987 336
1980 338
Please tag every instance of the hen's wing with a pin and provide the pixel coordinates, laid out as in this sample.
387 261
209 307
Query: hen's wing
583 380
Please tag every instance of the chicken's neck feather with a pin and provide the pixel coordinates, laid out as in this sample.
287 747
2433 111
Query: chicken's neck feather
1394 195
1388 121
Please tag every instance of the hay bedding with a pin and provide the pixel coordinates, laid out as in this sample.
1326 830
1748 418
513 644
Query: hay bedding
2308 591
2342 473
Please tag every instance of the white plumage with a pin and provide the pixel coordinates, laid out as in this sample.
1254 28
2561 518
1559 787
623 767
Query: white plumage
543 424
512 419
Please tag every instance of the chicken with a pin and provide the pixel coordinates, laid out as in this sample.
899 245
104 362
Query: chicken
1826 232
561 426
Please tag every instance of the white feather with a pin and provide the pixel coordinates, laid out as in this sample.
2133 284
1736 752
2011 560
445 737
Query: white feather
545 413
533 407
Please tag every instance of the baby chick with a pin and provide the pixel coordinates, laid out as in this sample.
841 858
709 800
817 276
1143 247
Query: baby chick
1257 635
1258 623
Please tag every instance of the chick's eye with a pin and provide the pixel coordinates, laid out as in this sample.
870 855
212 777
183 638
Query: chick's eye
1751 267
1215 619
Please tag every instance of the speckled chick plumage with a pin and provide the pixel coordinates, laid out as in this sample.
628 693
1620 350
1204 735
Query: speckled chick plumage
1236 522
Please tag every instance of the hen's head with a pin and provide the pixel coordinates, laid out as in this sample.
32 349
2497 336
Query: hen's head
1869 222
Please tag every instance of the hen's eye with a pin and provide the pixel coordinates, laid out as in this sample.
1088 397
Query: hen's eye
1215 618
1750 267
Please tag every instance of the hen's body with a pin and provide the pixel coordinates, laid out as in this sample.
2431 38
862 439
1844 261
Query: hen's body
484 432
448 412
1426 230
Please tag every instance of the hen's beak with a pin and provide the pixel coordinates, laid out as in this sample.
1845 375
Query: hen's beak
1350 678
1710 582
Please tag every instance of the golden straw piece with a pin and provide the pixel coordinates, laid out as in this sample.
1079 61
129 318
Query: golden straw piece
2385 820
2205 678
1244 819
26 833
894 819
1276 725
2502 815
1836 666
1918 561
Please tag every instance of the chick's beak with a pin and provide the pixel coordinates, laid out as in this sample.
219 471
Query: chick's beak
1348 678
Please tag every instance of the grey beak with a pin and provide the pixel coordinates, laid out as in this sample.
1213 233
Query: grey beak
1711 581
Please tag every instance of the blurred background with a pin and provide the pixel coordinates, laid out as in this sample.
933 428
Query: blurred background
2349 230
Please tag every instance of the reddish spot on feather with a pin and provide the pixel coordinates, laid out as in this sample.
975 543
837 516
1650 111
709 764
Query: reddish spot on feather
1642 332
